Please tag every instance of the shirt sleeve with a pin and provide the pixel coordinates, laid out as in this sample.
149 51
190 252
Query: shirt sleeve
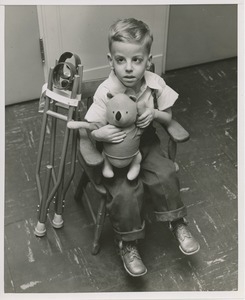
166 96
97 111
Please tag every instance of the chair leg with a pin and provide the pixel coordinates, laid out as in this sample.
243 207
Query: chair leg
172 150
99 226
81 185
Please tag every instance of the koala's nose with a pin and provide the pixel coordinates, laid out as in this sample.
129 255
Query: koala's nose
118 116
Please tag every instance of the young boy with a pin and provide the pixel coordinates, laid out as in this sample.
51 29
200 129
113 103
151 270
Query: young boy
130 56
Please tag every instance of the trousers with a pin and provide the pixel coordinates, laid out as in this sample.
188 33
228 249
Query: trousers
158 179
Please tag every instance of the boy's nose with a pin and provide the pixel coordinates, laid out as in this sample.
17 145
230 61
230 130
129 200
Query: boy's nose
129 67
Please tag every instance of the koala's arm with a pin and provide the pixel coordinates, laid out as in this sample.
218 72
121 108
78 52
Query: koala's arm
109 134
82 124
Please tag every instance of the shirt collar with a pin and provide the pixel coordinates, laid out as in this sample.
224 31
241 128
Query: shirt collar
117 87
152 81
115 84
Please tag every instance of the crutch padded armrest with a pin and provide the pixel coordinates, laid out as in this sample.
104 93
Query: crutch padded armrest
90 154
177 132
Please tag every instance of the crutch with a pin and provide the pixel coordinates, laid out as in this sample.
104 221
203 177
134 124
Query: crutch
59 186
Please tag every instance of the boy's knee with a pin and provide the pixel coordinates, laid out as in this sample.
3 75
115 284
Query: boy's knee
167 172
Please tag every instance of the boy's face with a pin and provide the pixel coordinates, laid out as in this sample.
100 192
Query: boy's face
129 61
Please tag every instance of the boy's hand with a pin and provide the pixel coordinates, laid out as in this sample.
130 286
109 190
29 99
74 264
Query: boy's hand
146 118
109 134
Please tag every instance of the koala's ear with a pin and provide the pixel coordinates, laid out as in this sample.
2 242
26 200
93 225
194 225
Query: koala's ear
132 97
109 95
131 93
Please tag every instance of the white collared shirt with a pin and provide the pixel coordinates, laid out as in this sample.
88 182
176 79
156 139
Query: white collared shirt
165 95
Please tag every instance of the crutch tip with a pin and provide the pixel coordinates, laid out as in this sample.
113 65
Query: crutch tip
57 221
40 229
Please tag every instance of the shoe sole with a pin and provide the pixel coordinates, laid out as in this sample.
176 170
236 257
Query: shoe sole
134 275
189 253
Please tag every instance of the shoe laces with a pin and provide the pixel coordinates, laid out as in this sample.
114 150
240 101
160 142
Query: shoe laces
131 249
181 232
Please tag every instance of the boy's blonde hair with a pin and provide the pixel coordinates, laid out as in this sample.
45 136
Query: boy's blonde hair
132 31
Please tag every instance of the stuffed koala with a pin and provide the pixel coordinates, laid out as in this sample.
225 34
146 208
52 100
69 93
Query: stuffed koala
121 112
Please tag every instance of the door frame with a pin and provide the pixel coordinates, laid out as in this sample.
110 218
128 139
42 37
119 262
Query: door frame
46 34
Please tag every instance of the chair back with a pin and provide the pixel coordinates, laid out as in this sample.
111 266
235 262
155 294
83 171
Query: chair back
88 90
89 87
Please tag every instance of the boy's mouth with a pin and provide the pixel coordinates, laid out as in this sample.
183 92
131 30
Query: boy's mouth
129 78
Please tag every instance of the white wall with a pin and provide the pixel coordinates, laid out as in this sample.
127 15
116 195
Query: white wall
197 34
201 33
23 67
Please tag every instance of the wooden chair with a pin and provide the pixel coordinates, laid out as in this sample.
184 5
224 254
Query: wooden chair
91 160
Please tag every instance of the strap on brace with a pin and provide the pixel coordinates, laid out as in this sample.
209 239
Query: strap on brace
57 95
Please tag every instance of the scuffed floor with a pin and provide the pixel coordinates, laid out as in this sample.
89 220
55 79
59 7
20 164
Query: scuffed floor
62 261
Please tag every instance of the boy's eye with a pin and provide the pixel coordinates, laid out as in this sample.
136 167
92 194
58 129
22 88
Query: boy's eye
119 60
138 59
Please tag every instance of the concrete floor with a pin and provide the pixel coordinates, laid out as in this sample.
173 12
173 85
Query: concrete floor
61 262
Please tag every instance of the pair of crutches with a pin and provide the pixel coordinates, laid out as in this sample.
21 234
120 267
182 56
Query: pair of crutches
60 179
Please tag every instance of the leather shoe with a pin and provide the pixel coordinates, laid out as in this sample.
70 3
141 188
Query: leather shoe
187 243
131 259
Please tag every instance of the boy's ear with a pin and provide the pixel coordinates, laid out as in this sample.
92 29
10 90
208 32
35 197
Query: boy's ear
149 61
110 60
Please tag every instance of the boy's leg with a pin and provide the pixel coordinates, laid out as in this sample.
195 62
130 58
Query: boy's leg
160 179
124 206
